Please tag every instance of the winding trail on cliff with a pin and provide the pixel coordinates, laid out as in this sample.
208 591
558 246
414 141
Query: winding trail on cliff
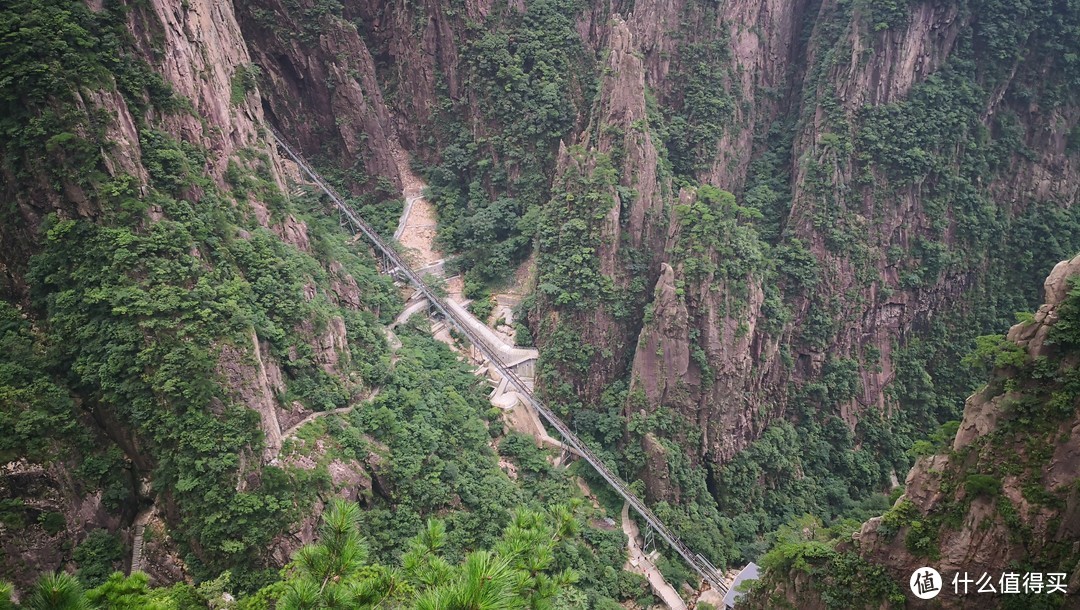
395 345
416 231
286 435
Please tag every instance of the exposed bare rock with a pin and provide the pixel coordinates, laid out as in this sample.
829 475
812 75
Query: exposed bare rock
985 539
352 480
1064 466
708 351
1056 287
981 412
333 344
725 327
656 474
663 354
161 556
124 134
1032 335
28 548
421 40
344 286
899 57
623 107
293 414
294 232
326 95
205 50
764 43
330 344
261 213
255 380
869 66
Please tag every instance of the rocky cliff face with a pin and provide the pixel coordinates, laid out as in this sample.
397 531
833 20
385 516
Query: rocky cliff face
325 94
867 247
891 168
1007 489
190 130
1002 496
888 150
205 53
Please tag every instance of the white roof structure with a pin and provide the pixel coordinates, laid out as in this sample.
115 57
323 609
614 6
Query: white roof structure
750 572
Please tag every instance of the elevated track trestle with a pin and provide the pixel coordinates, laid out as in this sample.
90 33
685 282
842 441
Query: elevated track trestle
700 564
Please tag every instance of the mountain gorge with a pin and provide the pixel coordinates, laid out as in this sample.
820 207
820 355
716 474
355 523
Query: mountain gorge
762 237
994 496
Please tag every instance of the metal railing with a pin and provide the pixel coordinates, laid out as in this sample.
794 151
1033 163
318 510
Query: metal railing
699 564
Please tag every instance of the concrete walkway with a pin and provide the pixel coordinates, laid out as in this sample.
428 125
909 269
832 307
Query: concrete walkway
511 355
403 221
640 563
416 231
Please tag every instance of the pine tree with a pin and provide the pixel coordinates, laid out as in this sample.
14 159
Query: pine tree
59 591
6 589
325 571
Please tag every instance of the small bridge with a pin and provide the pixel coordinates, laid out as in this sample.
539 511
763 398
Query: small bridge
499 356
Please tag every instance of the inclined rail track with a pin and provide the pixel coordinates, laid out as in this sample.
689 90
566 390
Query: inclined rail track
700 564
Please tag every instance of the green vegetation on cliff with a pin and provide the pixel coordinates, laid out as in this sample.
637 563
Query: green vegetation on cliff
527 84
996 480
522 570
166 319
858 257
967 258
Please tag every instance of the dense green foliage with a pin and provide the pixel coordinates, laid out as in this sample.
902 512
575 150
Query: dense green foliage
431 470
569 236
138 318
1037 403
114 292
38 413
842 578
521 571
527 79
1066 331
440 463
133 324
149 322
97 557
935 143
53 54
517 573
703 106
715 241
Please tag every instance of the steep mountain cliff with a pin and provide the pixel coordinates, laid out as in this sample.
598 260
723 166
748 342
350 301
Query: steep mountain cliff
1000 497
194 355
895 171
168 314
764 234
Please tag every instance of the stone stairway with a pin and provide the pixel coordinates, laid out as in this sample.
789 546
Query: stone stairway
137 546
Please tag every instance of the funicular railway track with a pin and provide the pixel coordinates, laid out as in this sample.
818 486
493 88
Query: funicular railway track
697 562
